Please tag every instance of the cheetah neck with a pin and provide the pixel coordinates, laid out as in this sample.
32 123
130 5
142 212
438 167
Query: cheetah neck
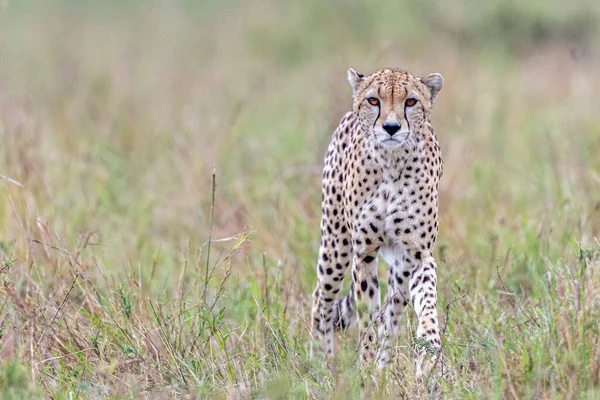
393 161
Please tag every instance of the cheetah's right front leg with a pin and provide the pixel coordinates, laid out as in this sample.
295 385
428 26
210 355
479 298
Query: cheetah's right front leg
334 259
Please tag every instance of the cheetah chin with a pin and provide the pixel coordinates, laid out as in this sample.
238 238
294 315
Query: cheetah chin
393 143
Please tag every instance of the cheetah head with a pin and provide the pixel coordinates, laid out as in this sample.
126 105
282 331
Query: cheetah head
393 106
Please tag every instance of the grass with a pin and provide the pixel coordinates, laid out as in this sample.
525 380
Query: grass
130 269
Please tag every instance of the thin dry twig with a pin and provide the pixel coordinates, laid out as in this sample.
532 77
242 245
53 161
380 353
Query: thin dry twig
11 180
62 305
63 356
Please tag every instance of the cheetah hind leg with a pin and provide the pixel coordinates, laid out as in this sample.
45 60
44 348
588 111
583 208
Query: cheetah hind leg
345 316
396 300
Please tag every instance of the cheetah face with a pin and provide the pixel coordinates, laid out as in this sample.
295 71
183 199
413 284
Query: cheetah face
393 106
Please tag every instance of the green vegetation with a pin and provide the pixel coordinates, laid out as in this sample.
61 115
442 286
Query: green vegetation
126 273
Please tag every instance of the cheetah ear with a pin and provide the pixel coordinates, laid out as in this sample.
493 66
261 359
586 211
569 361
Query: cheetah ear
434 82
354 78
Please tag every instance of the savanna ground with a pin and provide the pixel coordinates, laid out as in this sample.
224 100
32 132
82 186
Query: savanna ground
125 275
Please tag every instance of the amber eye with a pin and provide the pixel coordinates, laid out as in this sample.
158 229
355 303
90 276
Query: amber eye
410 102
373 101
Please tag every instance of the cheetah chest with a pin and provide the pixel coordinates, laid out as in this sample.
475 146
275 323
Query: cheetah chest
398 208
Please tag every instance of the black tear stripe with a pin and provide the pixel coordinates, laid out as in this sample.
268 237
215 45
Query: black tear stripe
406 118
378 110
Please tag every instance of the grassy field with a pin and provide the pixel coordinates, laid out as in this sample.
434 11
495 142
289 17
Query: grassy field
160 195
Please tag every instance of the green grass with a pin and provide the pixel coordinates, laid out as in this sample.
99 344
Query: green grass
127 274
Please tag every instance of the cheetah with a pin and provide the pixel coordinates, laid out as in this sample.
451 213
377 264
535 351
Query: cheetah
380 198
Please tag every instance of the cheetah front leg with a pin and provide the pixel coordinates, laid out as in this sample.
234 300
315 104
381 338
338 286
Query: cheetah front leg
366 291
423 294
334 259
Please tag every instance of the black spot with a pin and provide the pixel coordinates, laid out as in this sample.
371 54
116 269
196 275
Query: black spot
368 259
363 285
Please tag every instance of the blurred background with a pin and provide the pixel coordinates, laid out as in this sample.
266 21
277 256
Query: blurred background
125 272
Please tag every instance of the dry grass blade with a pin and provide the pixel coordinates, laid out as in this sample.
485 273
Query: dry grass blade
60 308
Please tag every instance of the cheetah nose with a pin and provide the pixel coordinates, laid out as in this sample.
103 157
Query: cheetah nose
391 127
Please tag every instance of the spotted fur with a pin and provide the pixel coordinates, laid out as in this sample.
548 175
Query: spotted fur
380 197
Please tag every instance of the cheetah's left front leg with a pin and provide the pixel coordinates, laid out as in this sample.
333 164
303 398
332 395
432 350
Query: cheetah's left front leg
423 294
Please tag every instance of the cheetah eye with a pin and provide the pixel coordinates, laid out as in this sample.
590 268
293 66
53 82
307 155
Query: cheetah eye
410 102
373 101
